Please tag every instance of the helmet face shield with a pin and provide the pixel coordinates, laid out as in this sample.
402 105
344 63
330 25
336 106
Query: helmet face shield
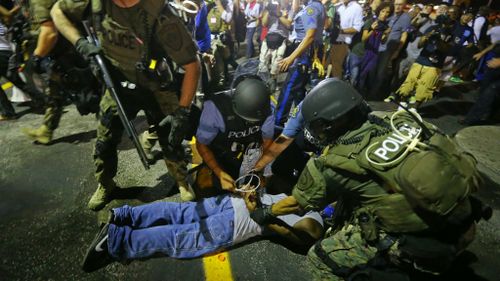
320 129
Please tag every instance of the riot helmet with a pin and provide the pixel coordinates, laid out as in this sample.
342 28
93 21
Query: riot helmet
251 98
332 108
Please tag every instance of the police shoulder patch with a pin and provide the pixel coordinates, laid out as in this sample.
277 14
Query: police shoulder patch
294 112
310 11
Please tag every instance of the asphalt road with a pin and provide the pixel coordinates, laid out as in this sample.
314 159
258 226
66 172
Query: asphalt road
45 226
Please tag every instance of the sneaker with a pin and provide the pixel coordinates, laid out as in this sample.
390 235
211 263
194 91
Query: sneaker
101 197
455 79
390 98
412 100
97 255
186 192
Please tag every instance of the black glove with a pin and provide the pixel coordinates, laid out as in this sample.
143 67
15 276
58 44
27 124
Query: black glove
86 49
39 64
179 126
262 215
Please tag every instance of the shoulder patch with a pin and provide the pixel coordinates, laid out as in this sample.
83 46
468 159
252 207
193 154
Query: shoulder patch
310 11
294 112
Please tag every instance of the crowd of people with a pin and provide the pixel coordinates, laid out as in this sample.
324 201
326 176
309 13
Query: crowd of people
313 150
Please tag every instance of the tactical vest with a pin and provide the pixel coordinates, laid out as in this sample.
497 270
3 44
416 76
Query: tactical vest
215 21
133 54
230 146
424 187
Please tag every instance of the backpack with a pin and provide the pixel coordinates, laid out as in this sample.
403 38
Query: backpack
426 176
335 28
214 18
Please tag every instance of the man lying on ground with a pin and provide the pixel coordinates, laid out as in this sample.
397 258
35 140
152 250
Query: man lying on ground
192 229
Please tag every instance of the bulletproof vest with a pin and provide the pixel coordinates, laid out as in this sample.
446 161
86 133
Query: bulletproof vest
229 147
129 44
426 181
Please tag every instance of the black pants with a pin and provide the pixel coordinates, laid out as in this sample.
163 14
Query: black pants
383 72
6 108
488 92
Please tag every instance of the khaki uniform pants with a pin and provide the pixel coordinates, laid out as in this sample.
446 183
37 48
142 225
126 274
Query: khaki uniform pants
338 53
422 79
110 129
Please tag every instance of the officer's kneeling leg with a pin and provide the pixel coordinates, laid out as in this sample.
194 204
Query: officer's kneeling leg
335 257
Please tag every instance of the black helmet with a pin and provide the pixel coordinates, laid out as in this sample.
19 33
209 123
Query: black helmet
251 99
332 108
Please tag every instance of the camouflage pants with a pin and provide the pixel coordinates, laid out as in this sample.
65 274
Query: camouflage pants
345 249
55 101
110 128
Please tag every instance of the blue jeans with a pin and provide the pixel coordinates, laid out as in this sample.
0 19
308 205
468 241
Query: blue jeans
178 230
249 39
354 66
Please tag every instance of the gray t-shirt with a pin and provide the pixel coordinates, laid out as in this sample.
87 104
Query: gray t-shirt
246 228
398 24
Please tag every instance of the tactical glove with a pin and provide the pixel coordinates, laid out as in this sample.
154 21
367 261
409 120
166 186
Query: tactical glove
86 49
262 215
179 126
39 64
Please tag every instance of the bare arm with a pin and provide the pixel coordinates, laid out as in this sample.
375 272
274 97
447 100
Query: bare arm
64 25
285 21
273 151
47 39
265 17
7 14
308 40
286 206
481 54
305 232
402 41
189 83
208 157
350 30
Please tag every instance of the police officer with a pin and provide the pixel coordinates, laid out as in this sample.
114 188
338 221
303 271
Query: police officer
135 36
235 126
307 34
390 203
52 57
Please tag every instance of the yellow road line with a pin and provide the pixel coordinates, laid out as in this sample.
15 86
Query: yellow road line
217 267
7 85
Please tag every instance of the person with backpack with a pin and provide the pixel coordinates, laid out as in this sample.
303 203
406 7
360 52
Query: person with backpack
274 45
394 213
136 36
220 19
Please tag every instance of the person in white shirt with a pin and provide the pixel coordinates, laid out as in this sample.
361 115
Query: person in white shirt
252 14
192 229
351 22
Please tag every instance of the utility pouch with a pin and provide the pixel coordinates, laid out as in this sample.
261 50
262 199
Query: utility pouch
369 229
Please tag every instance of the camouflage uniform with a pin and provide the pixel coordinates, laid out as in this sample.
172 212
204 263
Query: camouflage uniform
127 41
342 174
63 56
